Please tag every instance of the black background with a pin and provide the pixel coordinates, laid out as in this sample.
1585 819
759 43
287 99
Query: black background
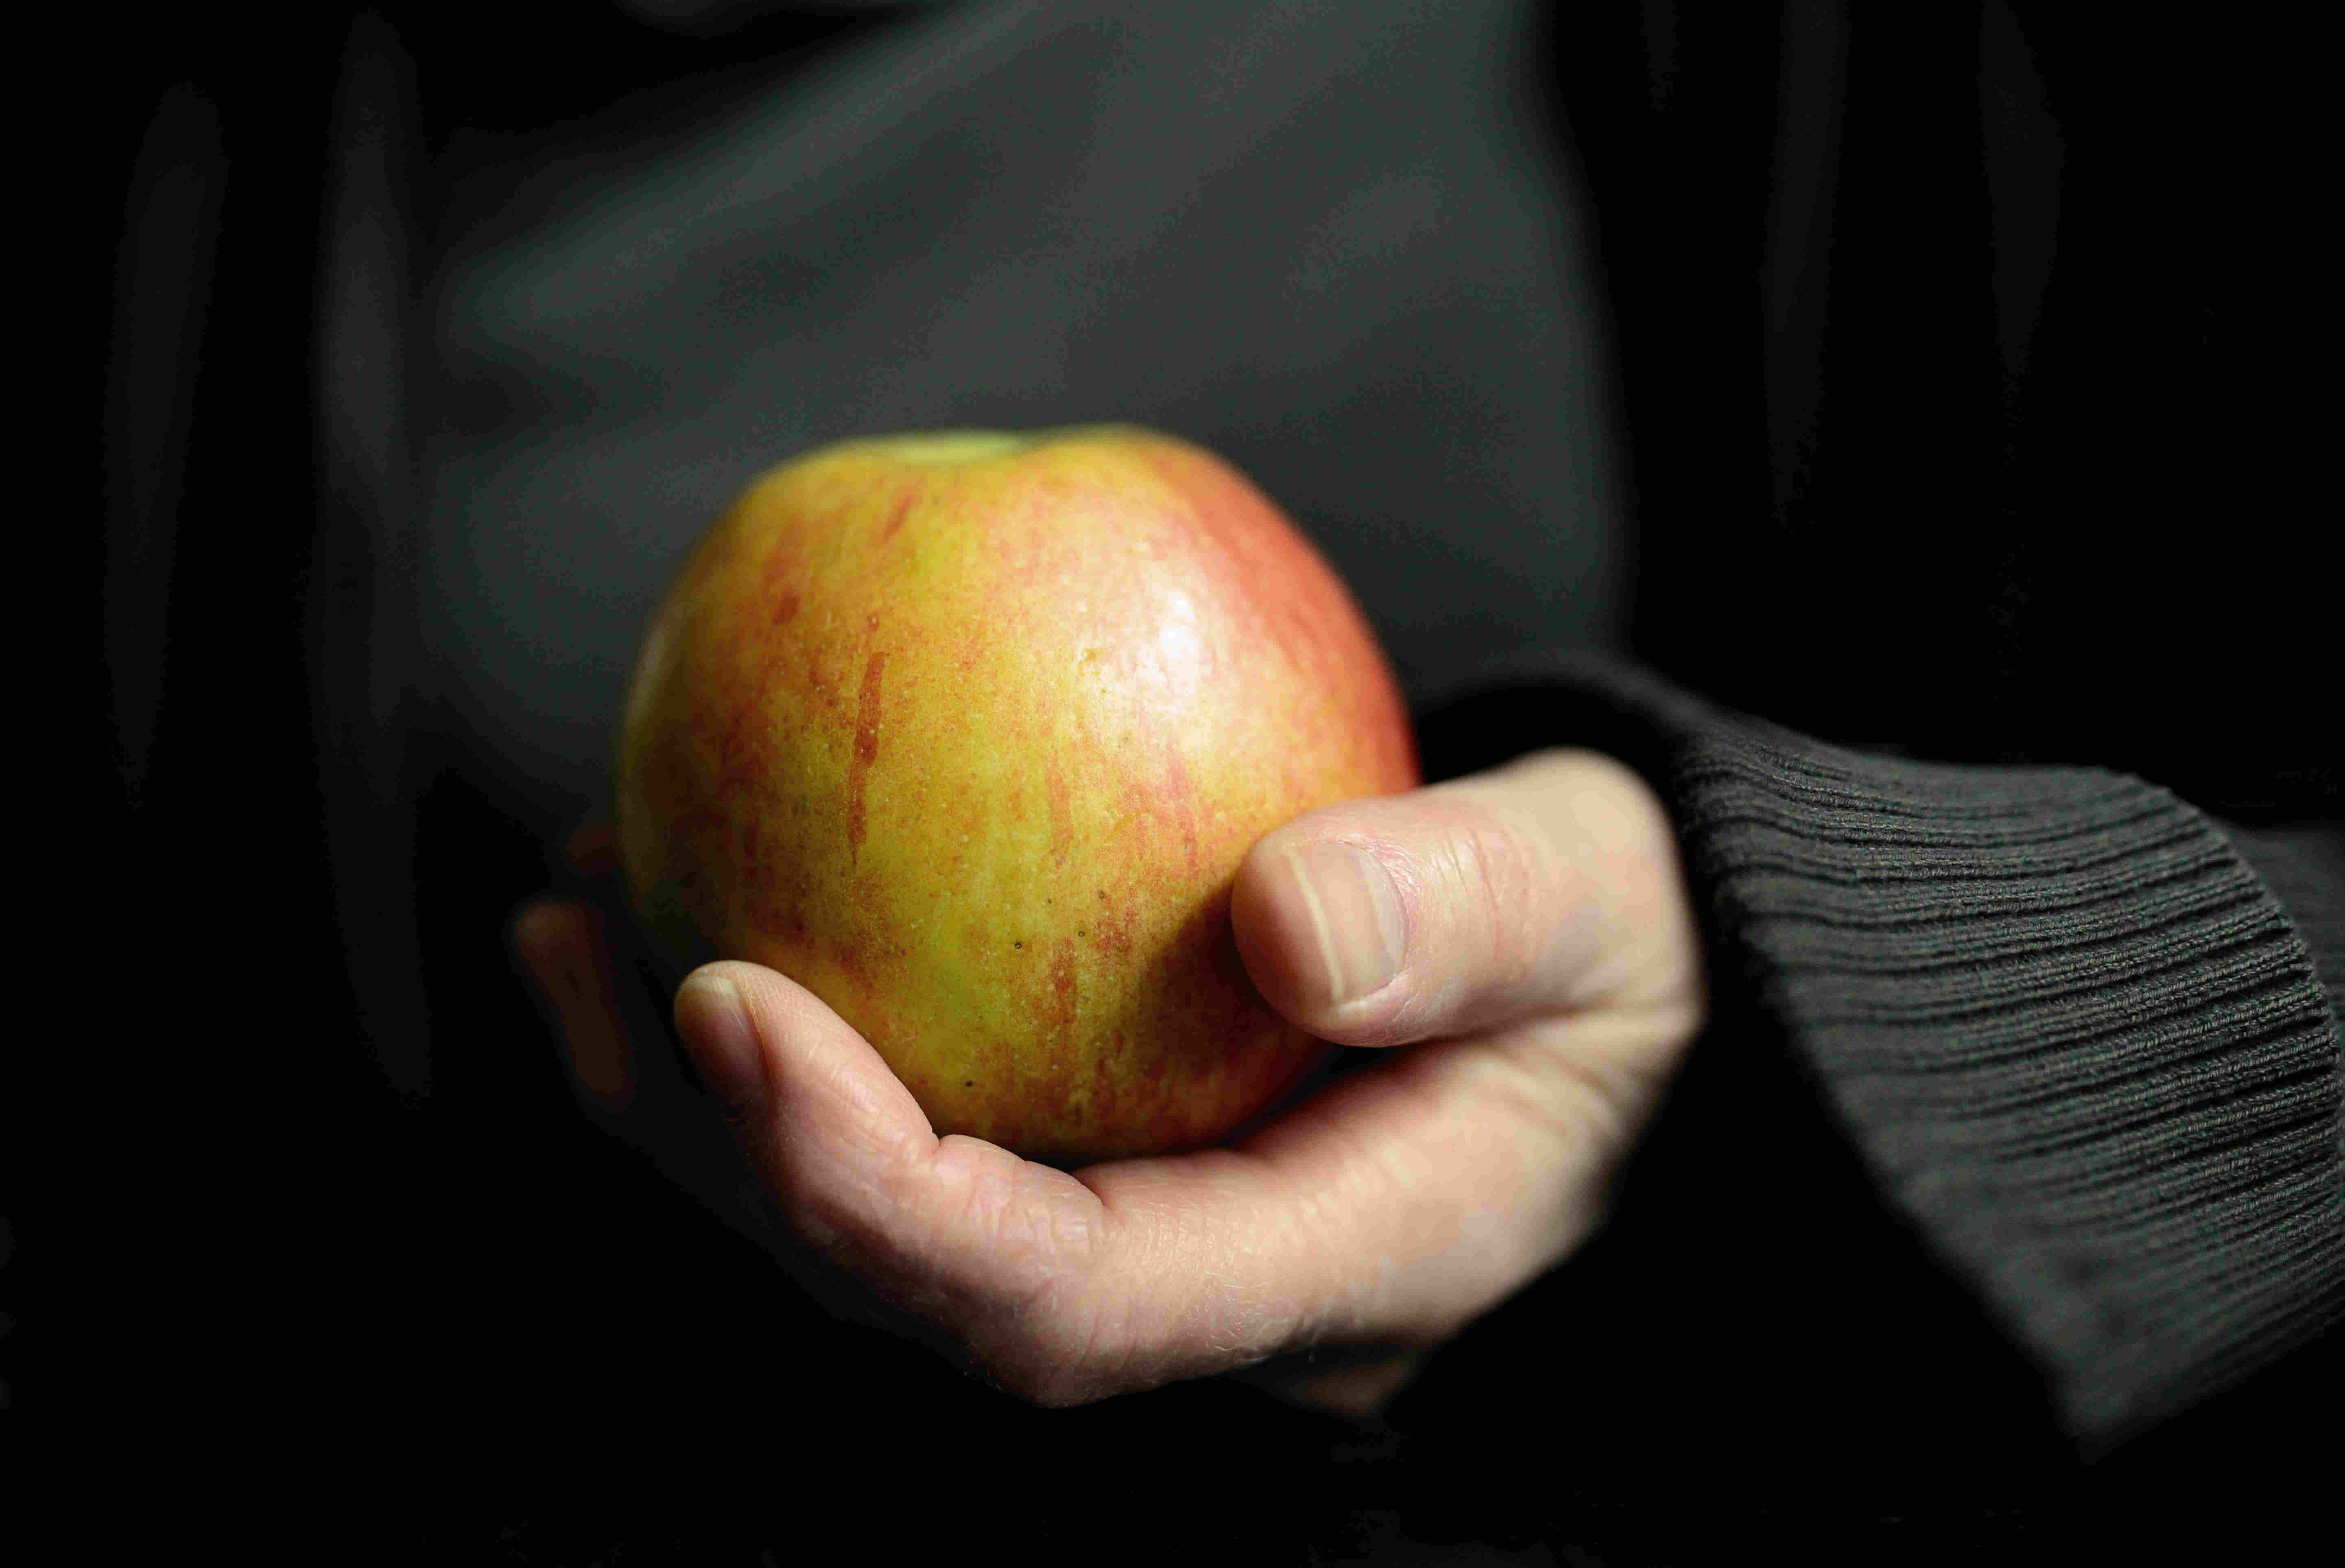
468 1318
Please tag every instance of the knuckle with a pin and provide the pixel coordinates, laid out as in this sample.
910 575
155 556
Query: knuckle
1048 1355
1492 883
1025 1304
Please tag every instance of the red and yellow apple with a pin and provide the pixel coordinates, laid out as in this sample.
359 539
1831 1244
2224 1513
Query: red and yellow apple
969 733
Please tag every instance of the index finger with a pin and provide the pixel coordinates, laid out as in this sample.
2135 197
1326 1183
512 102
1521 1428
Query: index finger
1366 1215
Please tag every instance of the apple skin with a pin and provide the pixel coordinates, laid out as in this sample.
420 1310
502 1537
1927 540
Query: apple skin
967 733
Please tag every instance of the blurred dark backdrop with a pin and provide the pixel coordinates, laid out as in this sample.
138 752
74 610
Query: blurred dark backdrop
1927 382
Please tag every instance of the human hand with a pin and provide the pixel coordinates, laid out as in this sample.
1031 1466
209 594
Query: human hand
1549 980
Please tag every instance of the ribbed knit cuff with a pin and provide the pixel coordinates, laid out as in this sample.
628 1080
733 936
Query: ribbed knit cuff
2074 1037
2304 868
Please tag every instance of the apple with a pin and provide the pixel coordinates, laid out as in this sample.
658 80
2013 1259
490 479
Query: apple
967 733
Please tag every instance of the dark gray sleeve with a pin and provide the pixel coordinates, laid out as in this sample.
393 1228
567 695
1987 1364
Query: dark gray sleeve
2073 1030
2304 868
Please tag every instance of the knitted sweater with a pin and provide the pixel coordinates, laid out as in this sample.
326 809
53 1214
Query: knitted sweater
2021 1102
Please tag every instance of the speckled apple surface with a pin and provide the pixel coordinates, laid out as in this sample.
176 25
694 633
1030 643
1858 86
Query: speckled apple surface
967 734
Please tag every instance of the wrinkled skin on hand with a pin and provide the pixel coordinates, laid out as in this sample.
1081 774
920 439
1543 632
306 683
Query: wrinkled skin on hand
1517 948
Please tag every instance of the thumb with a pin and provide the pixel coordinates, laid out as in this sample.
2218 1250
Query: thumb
1547 886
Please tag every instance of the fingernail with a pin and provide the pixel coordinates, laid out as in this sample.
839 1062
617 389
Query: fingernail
1356 909
709 1013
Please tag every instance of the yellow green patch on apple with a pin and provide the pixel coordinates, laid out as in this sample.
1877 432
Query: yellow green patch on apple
969 733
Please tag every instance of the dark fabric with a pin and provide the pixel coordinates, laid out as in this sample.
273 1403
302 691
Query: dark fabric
2078 1046
2304 866
1962 355
1209 219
